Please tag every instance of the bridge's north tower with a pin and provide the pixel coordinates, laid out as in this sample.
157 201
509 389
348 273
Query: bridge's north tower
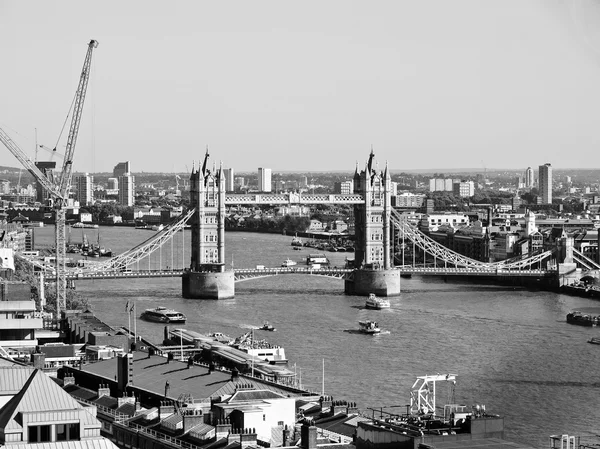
373 258
207 278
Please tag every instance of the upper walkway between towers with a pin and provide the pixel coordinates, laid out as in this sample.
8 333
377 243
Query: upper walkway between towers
232 199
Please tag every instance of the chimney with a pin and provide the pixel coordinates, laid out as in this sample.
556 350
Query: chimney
233 437
223 428
166 409
103 390
326 404
351 409
68 380
308 435
39 360
248 438
125 400
286 436
191 419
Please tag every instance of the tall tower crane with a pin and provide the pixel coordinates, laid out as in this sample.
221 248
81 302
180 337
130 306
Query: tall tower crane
59 189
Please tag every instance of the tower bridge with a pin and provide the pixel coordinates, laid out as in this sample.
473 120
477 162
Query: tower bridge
380 232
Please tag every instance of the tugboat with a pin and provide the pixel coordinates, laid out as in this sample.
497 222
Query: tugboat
267 327
369 327
163 315
373 302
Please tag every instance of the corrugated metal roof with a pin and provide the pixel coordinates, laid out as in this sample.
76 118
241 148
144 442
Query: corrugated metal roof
201 430
12 380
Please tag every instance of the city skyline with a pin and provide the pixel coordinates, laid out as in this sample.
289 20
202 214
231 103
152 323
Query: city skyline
493 85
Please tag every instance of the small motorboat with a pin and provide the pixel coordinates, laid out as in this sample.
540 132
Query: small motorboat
369 327
594 341
267 327
289 263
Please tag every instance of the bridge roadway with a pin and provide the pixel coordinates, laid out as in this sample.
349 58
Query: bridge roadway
243 274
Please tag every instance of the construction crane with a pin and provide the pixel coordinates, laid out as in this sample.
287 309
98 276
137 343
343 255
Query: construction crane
59 190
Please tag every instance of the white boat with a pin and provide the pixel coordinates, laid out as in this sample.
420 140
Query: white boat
163 315
296 241
369 327
373 302
288 263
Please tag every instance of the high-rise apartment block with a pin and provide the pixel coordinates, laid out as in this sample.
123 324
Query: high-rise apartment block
464 189
529 179
46 168
121 169
84 186
545 184
264 179
127 189
440 185
229 179
343 187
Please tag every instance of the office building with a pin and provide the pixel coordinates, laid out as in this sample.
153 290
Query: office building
545 184
529 179
84 187
127 189
264 179
121 169
229 179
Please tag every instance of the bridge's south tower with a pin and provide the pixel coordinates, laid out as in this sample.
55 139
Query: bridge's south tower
373 258
207 278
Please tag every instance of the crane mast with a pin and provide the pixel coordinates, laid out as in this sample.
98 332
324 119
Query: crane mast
59 190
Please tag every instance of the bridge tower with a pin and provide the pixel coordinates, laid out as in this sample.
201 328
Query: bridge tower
207 278
373 252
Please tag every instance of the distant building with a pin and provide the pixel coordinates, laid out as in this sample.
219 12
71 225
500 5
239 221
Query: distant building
529 178
343 187
84 188
464 189
240 181
127 189
121 169
4 186
440 185
42 195
113 184
408 199
304 182
264 179
229 179
545 184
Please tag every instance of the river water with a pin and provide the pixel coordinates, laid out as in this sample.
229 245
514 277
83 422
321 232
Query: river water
511 349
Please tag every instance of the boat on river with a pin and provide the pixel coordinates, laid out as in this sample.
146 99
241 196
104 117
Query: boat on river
594 341
163 315
373 302
369 327
296 241
267 327
289 263
582 319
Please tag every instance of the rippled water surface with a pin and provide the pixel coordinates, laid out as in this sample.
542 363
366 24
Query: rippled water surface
511 349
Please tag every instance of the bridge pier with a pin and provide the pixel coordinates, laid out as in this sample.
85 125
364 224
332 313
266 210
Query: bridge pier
380 282
208 285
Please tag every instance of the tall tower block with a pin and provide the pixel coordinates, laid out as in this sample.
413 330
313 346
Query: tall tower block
372 257
207 278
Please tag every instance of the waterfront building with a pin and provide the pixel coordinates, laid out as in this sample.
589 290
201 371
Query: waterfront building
545 184
84 187
264 179
464 189
343 187
127 189
229 179
529 178
121 169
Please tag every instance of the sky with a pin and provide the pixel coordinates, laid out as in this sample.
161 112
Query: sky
306 86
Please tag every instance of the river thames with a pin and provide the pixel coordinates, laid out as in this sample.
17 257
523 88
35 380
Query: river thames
511 349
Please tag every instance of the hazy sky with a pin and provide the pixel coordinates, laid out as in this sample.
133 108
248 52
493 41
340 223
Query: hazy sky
307 85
